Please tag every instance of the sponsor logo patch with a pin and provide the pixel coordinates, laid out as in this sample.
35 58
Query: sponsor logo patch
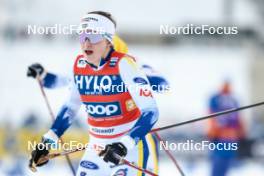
103 109
130 105
121 172
99 84
81 63
145 93
104 131
140 80
83 174
113 61
89 165
89 19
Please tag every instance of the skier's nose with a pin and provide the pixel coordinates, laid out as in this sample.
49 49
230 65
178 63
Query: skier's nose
87 43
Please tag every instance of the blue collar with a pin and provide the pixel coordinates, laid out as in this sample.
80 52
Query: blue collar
103 60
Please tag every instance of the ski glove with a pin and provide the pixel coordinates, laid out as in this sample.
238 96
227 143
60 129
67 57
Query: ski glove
38 154
35 70
114 153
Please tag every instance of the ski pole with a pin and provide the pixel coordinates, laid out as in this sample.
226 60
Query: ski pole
171 156
138 168
122 160
208 116
53 119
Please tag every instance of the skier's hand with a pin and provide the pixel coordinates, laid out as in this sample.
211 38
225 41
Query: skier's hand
38 156
35 70
114 153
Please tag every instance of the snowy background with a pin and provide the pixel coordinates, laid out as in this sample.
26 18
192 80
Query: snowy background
195 66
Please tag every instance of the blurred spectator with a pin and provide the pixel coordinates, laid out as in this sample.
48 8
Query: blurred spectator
31 121
226 129
17 168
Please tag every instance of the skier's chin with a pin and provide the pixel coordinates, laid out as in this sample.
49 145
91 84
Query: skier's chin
90 57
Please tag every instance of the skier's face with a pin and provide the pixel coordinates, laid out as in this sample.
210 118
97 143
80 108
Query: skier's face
95 51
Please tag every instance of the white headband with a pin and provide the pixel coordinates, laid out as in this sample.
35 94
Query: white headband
99 24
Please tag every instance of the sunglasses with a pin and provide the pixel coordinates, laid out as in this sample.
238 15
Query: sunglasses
92 37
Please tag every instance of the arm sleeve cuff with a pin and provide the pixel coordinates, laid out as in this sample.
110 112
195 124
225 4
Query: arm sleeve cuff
128 142
50 135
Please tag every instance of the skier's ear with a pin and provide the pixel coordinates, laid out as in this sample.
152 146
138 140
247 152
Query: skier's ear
109 44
